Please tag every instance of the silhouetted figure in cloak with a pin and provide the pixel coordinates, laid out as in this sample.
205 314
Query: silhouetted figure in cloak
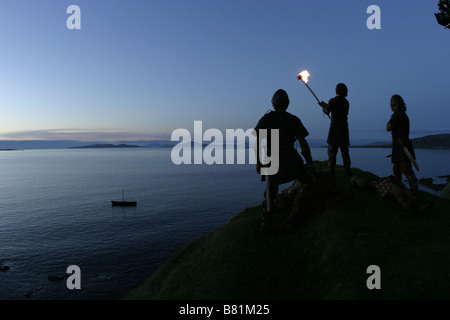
398 125
338 136
291 165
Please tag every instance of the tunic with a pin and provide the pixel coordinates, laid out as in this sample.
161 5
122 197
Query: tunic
338 133
291 166
400 134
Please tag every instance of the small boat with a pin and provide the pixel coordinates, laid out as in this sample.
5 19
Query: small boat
123 203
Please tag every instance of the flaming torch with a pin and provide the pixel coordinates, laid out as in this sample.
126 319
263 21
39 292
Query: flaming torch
304 75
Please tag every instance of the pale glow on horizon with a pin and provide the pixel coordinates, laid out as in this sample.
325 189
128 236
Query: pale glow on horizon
82 135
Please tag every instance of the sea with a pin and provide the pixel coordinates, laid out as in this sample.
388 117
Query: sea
55 212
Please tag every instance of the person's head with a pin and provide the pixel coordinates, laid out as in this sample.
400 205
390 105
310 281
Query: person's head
280 100
341 90
397 103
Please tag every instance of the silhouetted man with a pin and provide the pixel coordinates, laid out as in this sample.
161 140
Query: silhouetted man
399 127
291 165
338 136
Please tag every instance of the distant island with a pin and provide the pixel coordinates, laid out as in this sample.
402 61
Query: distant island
100 146
436 141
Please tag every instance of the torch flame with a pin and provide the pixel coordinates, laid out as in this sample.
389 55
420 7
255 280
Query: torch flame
304 76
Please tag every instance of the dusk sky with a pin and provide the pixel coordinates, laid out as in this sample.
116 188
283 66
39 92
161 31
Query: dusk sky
141 69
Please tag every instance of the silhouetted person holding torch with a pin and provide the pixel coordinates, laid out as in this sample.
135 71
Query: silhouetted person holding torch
291 165
402 148
338 136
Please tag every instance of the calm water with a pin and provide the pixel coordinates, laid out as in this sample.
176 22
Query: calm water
55 211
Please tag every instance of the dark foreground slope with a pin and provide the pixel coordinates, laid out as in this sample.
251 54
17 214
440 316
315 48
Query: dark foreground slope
325 259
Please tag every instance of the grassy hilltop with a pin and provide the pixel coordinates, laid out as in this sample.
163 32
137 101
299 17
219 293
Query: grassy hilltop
327 258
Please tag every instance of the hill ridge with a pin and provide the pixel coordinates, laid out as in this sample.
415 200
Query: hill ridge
436 141
325 259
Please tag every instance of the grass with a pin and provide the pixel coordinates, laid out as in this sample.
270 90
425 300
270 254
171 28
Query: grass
327 258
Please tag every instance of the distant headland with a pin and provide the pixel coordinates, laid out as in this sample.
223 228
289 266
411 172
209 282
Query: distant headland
106 146
436 141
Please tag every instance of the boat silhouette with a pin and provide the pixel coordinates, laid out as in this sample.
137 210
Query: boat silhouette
123 203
